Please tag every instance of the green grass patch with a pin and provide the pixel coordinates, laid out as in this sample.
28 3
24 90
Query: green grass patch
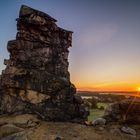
96 113
102 104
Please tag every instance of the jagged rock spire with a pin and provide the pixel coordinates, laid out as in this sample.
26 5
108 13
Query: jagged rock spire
36 79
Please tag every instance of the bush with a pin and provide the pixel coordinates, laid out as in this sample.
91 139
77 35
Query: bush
87 103
93 102
101 108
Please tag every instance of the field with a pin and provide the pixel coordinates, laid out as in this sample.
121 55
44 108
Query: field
95 113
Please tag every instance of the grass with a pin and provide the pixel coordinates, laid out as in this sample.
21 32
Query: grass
102 104
96 113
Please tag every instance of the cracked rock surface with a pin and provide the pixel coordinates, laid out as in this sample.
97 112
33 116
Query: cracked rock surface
36 79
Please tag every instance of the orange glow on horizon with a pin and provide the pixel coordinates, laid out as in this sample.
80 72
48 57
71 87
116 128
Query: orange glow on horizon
107 87
106 81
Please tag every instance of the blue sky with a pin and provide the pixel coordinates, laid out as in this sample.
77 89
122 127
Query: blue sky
106 40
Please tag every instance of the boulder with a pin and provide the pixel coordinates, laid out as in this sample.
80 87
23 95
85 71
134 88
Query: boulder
9 129
126 111
25 135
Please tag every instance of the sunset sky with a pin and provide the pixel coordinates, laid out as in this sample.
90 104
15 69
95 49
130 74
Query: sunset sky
106 40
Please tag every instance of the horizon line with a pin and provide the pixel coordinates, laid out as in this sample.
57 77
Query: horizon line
105 91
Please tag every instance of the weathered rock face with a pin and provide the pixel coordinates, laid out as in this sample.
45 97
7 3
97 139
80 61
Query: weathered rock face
127 111
36 79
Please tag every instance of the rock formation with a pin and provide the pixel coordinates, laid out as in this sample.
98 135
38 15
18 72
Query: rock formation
126 111
36 79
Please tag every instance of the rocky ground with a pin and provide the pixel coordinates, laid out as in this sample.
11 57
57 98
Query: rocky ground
28 127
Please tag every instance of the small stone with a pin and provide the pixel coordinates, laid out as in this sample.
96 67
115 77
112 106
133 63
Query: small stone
88 123
128 130
99 122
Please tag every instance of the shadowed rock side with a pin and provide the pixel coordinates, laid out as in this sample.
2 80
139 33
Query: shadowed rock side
127 111
36 79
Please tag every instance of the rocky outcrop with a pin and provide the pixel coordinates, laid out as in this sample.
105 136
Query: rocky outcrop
127 111
36 79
